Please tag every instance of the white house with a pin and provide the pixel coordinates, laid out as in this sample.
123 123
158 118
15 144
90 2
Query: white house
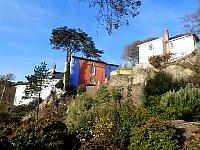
49 85
179 45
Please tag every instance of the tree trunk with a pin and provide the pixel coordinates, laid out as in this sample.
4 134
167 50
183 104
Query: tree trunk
66 79
198 4
38 104
3 93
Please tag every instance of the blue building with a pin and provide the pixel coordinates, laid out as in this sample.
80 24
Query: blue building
86 71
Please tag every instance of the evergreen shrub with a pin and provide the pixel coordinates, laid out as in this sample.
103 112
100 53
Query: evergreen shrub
71 89
154 134
158 85
60 84
183 104
81 89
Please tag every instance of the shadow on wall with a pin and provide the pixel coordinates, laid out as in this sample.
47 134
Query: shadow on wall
82 73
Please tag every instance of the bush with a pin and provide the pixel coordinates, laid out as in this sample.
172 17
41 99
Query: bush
116 96
183 104
41 134
59 85
160 84
71 89
104 125
103 95
81 89
154 134
22 110
160 60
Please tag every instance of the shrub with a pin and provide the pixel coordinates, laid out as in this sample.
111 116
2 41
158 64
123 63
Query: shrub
40 134
160 60
183 104
22 110
160 84
103 95
81 89
116 96
71 89
60 84
104 125
154 134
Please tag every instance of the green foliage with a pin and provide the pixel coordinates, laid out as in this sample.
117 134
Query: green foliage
41 134
71 89
103 124
183 104
79 113
81 89
36 80
59 85
67 76
5 130
21 110
103 95
72 41
116 96
160 84
154 134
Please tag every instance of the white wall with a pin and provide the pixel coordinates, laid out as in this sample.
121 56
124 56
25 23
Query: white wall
49 85
19 95
144 51
182 46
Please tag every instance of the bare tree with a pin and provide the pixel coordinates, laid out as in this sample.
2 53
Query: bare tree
191 22
114 13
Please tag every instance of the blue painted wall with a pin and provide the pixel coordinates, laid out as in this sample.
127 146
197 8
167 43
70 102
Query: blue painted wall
74 74
109 69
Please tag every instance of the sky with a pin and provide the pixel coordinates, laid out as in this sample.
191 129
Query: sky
26 26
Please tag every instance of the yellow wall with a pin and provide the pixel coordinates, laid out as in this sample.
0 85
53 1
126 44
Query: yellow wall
125 72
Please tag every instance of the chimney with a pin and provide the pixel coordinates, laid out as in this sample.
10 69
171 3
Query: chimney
54 67
166 42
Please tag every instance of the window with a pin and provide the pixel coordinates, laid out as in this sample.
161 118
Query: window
151 47
171 45
92 69
92 80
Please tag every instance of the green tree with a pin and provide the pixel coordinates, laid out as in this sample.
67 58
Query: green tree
114 13
37 83
72 41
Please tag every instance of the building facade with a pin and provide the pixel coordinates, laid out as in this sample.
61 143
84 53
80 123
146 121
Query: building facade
83 72
90 72
48 85
179 45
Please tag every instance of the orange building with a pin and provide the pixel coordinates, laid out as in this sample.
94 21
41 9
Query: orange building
90 72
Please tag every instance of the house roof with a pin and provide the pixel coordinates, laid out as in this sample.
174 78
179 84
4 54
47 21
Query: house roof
181 35
58 75
93 60
174 37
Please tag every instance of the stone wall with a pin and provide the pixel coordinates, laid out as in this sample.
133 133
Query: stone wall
131 87
186 68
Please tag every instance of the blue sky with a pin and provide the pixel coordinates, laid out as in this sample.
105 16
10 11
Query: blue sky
26 25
